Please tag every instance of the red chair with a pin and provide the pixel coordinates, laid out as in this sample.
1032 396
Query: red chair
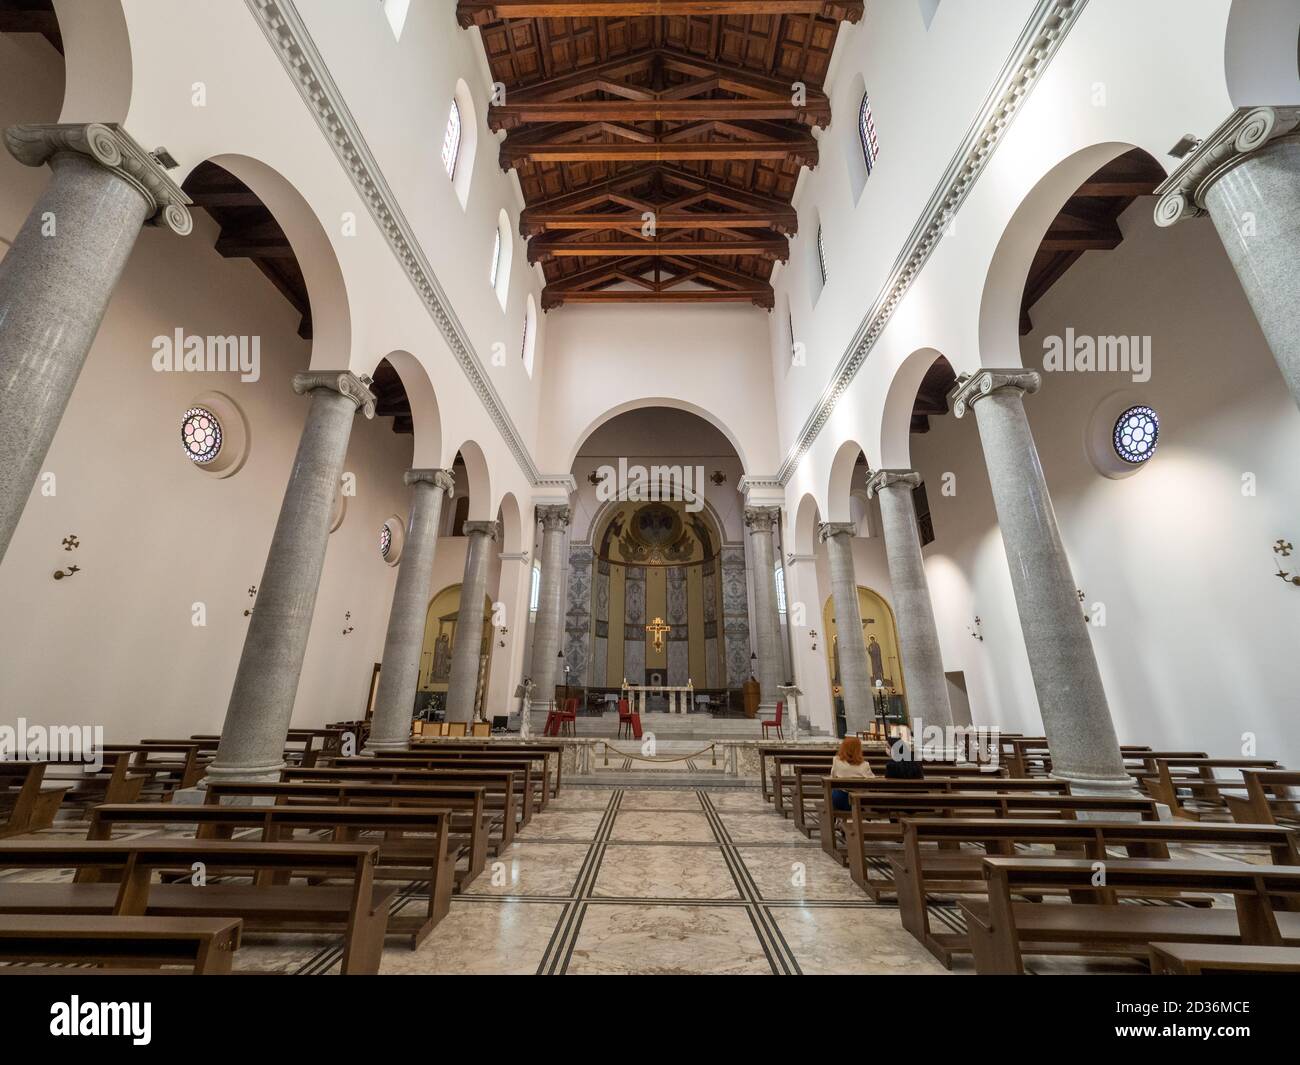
624 718
775 722
567 718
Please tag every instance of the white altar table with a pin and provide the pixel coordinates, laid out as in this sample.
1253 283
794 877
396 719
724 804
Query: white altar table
680 696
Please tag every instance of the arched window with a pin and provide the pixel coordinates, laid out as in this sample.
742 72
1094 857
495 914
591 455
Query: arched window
821 254
397 10
496 259
451 141
867 133
529 346
535 594
780 588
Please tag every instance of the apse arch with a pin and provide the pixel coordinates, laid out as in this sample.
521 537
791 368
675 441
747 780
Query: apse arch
603 515
327 291
1008 270
895 445
479 486
1261 54
671 404
840 483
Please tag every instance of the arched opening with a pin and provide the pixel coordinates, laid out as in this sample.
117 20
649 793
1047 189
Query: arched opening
884 662
405 393
460 141
502 260
528 349
440 624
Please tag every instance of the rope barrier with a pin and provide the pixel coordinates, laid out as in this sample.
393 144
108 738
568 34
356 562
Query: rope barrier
713 747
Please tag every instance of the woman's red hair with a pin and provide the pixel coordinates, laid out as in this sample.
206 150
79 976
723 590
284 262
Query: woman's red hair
851 750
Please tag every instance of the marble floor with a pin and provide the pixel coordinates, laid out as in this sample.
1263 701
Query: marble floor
651 880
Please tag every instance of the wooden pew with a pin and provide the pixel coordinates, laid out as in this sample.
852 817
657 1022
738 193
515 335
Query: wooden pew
784 784
1003 931
539 762
401 856
526 778
1220 959
936 858
502 788
1272 797
766 751
874 827
166 767
830 824
204 946
473 826
357 908
27 803
113 781
1197 775
554 751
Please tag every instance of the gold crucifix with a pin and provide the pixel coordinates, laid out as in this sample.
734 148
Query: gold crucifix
658 629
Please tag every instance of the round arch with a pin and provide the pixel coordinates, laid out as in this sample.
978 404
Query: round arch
425 416
840 483
480 483
327 291
895 444
1004 284
807 515
1260 52
654 401
512 525
98 69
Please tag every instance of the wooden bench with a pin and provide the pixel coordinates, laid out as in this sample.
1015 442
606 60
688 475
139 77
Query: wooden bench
86 785
874 828
830 824
784 785
402 856
936 857
473 826
1196 776
27 802
166 767
554 751
204 946
502 788
450 754
526 779
1220 959
358 908
1272 797
1003 931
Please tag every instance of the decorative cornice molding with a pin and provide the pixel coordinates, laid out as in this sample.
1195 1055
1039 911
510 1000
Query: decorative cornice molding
444 479
285 29
882 479
762 519
1244 132
564 482
344 382
975 386
553 517
113 148
755 482
1038 44
827 529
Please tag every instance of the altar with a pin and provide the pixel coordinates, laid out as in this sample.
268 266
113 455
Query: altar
680 697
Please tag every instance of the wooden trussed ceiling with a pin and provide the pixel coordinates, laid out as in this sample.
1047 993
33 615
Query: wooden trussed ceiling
682 110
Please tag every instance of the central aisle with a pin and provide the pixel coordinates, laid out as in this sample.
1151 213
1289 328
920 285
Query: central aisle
660 881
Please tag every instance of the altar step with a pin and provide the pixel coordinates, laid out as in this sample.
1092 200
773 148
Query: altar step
675 726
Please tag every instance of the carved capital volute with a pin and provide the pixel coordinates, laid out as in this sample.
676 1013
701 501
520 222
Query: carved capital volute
973 387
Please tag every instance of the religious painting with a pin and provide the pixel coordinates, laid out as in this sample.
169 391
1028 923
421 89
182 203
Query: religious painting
440 626
880 641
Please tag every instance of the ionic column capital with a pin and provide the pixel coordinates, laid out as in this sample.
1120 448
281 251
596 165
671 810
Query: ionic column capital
882 479
827 529
1242 134
972 387
344 382
115 150
554 517
444 480
490 529
762 519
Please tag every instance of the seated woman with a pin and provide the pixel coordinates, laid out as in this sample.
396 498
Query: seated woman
903 764
848 763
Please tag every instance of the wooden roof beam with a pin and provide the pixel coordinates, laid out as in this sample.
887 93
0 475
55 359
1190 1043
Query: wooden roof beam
541 250
484 12
800 150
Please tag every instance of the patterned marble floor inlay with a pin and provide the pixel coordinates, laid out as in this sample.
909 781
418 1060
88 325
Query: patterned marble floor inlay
650 880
